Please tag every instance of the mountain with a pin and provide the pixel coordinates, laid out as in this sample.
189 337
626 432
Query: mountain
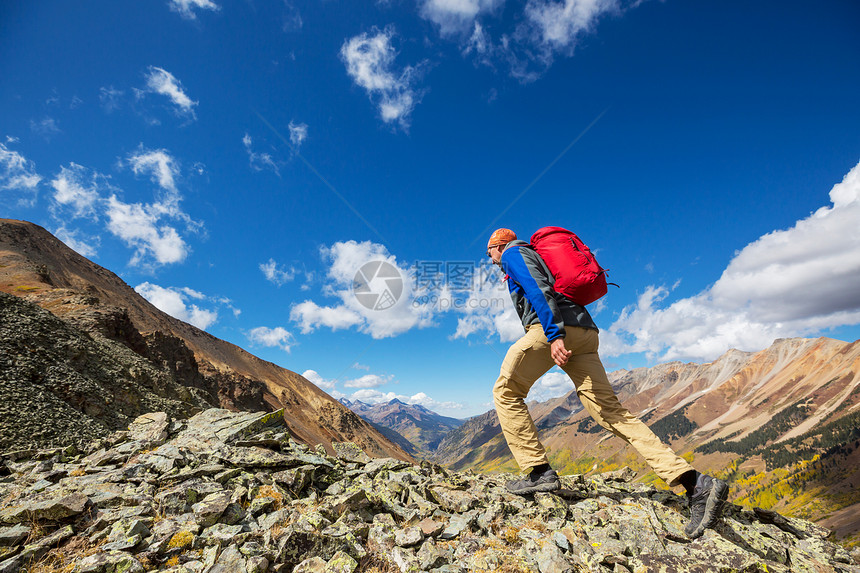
167 354
421 427
782 425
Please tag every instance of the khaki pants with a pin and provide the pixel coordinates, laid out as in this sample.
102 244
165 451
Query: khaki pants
529 359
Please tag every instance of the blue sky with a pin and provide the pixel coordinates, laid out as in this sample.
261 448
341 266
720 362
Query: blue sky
238 163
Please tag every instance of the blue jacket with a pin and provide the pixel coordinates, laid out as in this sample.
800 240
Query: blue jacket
530 284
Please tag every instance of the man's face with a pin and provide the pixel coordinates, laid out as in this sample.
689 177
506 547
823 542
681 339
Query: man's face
495 253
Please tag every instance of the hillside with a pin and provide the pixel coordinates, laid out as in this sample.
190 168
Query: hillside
41 270
782 424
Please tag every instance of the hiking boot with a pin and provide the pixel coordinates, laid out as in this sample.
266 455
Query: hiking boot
536 481
706 504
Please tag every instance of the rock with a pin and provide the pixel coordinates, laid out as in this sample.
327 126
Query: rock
430 556
625 474
552 560
220 534
312 565
37 550
208 510
379 464
430 527
296 545
13 535
457 525
150 428
257 564
109 562
350 452
408 537
405 559
351 501
553 504
306 511
269 520
341 562
296 479
51 509
254 457
380 539
454 500
229 561
260 505
233 514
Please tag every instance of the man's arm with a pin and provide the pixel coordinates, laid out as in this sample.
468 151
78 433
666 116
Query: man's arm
522 266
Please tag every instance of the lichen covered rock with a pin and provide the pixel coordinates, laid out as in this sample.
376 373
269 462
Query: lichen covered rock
228 492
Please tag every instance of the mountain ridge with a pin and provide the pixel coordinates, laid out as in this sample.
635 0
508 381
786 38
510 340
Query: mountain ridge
740 416
39 268
420 426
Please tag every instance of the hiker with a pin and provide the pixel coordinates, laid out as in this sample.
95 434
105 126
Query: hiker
559 331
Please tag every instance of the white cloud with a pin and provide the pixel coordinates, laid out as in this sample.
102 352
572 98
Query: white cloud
311 316
488 309
76 188
110 98
371 396
159 164
186 8
138 226
543 30
383 306
559 25
275 275
480 44
174 301
292 18
143 226
321 382
370 63
791 282
46 127
162 82
259 161
17 173
298 133
272 337
368 381
431 404
79 192
87 248
553 384
456 16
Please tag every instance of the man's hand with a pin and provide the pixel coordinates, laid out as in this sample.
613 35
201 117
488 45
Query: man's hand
559 353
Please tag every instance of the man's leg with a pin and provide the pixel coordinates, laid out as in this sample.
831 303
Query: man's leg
599 399
527 360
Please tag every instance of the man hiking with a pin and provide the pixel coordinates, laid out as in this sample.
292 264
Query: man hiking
559 331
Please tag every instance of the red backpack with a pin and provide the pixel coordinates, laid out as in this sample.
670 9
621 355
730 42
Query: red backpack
576 272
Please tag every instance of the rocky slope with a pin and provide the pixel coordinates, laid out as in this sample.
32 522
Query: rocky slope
231 492
62 386
783 425
421 427
40 269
